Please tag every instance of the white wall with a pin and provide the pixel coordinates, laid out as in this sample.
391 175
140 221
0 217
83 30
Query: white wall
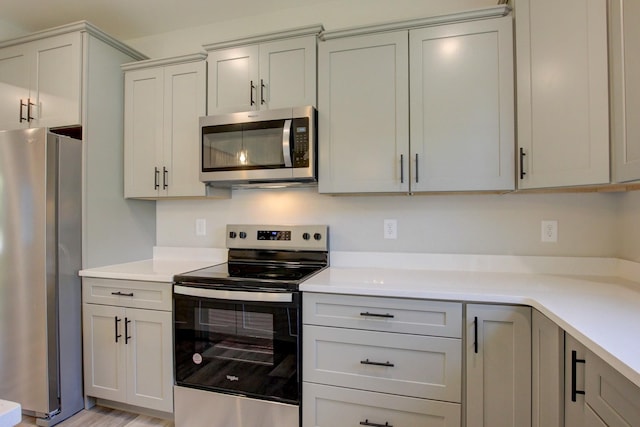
333 14
484 224
628 223
9 30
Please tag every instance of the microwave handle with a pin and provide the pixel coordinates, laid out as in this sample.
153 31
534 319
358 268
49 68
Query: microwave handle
286 143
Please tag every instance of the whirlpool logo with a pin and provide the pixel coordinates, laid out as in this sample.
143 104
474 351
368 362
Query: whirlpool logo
232 378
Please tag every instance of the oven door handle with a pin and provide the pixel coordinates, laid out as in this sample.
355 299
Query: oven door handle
233 295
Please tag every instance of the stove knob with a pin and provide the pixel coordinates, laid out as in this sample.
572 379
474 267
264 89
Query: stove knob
243 235
317 236
232 234
306 236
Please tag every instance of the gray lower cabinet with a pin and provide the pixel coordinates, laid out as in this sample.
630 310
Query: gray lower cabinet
381 361
547 372
498 370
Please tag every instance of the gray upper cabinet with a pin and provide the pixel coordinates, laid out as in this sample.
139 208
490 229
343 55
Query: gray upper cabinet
276 70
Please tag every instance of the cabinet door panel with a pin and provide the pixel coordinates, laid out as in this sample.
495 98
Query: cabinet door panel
105 374
232 72
547 366
184 102
14 87
150 360
462 106
574 411
56 81
143 107
363 103
288 70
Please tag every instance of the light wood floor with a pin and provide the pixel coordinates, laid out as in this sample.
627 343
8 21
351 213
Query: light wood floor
104 417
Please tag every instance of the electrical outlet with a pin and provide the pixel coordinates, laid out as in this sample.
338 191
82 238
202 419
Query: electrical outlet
390 228
549 231
201 227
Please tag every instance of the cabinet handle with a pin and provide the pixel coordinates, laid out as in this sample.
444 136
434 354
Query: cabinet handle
22 104
127 337
165 178
251 88
367 423
401 168
367 314
368 362
29 104
156 179
475 334
116 328
417 169
122 294
522 154
574 374
262 101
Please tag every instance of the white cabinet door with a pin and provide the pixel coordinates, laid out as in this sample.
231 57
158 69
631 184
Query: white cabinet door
547 372
105 374
56 80
149 345
498 369
287 73
363 114
562 87
184 102
234 82
624 37
143 127
462 106
14 87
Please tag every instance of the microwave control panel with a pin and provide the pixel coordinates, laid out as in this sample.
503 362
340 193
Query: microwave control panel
300 128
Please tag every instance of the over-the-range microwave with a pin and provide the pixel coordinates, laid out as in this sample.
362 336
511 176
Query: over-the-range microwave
259 148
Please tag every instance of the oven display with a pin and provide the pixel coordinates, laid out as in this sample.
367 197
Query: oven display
274 235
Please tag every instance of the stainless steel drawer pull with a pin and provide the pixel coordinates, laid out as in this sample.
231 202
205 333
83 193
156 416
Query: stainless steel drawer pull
367 423
368 362
122 294
386 315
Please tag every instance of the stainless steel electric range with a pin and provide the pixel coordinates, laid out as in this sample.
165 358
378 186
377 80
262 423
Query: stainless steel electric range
238 325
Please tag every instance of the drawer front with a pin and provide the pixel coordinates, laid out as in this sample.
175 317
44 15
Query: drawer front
408 365
612 396
327 406
410 316
127 293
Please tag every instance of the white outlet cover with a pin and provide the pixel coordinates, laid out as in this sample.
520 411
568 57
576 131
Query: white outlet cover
390 228
549 231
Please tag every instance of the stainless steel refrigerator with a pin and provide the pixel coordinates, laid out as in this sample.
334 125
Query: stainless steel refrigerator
40 291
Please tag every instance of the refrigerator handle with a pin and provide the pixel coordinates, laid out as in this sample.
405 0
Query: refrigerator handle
116 328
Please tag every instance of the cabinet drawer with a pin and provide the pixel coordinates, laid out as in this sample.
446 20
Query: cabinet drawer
409 365
612 396
127 293
410 316
326 406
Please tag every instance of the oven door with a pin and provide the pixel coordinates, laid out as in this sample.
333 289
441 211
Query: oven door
238 342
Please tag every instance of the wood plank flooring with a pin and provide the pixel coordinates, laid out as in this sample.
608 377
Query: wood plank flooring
99 416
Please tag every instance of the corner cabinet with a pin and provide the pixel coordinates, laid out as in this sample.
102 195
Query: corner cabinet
562 86
276 70
128 342
163 101
453 133
498 368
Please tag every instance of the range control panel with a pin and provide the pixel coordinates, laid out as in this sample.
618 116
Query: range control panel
278 237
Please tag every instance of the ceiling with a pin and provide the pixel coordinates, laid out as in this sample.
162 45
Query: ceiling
128 19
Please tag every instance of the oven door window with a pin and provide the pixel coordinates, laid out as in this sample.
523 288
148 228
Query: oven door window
243 348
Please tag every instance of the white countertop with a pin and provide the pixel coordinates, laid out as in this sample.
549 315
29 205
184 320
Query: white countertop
601 310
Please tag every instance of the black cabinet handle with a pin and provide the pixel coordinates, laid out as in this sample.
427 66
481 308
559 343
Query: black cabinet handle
22 105
165 178
262 101
401 168
368 362
522 154
127 337
386 315
574 374
156 179
367 423
417 169
475 334
116 328
251 88
122 294
29 104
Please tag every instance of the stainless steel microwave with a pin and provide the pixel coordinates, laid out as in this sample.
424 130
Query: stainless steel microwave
259 147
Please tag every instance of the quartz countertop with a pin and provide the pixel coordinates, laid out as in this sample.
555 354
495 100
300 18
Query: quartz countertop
600 307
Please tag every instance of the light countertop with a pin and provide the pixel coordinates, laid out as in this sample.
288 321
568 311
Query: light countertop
601 310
